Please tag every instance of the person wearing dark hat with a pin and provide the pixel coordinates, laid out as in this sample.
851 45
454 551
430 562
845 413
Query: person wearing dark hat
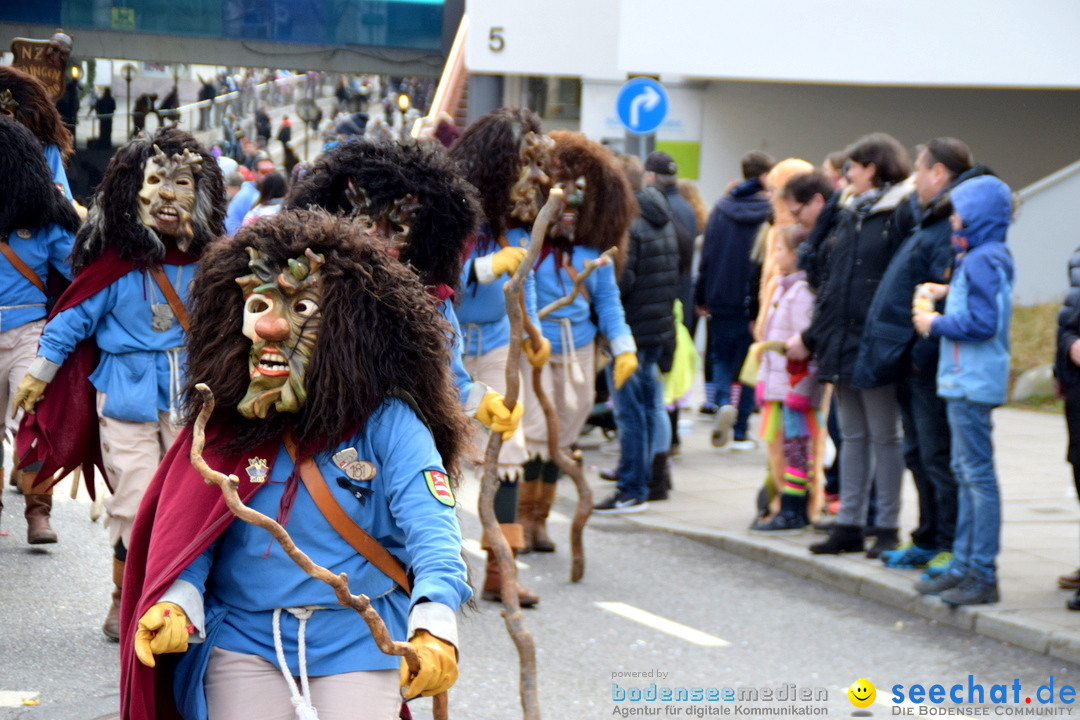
662 173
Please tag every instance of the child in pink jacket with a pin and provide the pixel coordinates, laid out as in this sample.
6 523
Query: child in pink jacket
787 390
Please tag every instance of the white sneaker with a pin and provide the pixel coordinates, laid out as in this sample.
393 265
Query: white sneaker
743 445
725 420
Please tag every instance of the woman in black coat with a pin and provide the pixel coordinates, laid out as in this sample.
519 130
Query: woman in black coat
870 221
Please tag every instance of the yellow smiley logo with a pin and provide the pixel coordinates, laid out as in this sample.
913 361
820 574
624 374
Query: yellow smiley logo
862 693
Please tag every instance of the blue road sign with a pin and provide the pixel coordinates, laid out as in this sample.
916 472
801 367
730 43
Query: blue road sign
642 105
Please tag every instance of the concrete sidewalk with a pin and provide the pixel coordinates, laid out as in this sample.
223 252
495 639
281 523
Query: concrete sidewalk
714 501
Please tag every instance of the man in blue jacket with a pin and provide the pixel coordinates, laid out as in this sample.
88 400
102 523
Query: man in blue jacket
722 288
891 352
973 376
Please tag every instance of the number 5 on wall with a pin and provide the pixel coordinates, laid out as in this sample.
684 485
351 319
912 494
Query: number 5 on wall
496 41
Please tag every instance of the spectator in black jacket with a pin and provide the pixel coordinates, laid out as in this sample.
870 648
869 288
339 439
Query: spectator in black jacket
892 352
723 289
866 231
648 286
1067 378
662 173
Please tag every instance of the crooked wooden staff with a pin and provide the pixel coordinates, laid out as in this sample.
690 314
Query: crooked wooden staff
565 462
515 621
229 485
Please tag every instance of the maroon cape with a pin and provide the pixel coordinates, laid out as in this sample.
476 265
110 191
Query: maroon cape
180 516
62 433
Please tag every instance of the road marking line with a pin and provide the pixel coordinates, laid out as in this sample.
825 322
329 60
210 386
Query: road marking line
473 548
18 698
664 625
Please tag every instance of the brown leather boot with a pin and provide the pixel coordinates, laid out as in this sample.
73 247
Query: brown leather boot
111 628
493 577
545 498
38 509
528 487
527 490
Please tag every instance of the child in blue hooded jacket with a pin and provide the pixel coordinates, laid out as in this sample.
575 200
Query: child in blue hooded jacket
972 378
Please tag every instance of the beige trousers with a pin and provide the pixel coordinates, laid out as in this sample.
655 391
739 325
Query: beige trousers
490 369
18 347
245 687
132 452
569 380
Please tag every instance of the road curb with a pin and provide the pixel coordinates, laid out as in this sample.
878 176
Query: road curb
893 588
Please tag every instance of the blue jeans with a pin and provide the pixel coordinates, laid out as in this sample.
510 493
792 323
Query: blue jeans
729 339
642 420
978 519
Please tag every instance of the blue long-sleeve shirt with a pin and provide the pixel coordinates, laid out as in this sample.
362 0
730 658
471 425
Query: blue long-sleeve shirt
21 302
482 310
140 368
249 575
601 293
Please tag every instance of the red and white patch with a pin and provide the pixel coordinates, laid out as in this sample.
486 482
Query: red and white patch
439 485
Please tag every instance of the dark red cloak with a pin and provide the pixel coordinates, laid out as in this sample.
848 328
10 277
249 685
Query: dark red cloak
180 516
62 433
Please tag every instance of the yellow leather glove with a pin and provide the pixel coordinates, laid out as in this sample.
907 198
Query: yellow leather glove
438 666
537 356
507 260
625 366
162 629
494 414
28 394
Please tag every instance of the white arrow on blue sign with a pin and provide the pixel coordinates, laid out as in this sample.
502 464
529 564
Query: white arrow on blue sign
642 105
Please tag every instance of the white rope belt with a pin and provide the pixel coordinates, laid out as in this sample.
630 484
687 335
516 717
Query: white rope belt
300 696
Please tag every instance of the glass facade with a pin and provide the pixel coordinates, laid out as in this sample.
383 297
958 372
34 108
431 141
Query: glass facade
412 24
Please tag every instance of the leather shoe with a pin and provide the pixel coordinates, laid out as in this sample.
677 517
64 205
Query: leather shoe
1070 581
612 475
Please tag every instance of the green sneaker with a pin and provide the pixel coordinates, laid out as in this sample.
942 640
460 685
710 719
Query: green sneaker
939 564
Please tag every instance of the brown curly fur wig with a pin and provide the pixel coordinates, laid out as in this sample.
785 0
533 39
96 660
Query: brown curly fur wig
30 199
380 337
388 171
604 219
36 109
488 155
113 220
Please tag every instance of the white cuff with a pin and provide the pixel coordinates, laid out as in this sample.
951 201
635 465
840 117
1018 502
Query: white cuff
482 267
190 600
623 344
438 619
476 396
43 369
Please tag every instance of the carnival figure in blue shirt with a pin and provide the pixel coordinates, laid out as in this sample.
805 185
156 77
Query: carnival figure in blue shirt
161 202
504 155
275 335
424 212
38 224
599 206
26 99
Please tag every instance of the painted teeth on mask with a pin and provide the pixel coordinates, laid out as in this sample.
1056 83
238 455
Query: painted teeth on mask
273 361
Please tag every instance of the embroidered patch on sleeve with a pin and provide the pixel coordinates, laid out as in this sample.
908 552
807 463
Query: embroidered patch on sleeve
439 485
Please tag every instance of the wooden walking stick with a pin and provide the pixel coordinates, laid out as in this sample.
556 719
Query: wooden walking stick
515 621
566 463
229 485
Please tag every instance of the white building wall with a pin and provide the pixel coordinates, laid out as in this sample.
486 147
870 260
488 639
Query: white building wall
1024 135
1043 236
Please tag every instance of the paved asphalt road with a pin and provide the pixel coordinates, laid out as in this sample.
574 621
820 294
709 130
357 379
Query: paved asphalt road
780 629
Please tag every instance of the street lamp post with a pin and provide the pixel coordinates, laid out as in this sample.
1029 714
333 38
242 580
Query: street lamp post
403 105
128 73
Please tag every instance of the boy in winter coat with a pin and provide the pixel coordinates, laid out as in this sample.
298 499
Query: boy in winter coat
973 373
788 390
